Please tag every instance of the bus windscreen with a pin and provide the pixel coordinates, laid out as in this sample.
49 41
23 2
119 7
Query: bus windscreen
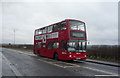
77 25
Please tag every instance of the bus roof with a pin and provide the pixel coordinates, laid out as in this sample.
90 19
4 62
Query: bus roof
58 22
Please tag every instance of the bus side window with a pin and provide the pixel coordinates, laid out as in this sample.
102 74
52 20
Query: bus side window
36 32
55 44
40 31
44 30
63 45
38 45
43 45
56 27
63 25
50 45
49 29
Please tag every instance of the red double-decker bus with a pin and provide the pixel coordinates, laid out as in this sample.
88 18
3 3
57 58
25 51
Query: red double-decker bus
65 40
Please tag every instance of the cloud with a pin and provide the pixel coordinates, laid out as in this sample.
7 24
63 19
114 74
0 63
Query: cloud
25 17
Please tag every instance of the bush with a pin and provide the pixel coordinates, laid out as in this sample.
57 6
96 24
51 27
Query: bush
103 51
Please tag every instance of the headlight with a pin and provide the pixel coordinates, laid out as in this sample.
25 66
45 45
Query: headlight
70 55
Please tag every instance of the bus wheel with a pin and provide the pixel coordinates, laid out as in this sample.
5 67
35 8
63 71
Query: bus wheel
55 56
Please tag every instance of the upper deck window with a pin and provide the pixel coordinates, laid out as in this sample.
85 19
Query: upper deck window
49 29
44 30
77 25
63 25
56 27
36 32
59 26
40 31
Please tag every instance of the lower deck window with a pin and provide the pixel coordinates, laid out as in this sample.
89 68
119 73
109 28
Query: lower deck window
53 45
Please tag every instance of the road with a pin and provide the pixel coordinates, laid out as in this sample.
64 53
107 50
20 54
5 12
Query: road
19 63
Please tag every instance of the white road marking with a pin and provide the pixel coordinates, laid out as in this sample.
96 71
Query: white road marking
17 73
99 70
51 63
106 75
73 65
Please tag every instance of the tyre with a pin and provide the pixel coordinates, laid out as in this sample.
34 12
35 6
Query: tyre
38 53
56 56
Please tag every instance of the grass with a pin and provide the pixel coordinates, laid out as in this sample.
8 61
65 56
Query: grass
104 59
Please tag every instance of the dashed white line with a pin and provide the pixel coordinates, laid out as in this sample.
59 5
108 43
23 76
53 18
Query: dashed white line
73 65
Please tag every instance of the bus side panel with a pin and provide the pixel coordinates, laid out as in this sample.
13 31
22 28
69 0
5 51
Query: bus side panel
50 53
62 55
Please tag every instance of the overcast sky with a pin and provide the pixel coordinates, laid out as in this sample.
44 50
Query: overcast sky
101 19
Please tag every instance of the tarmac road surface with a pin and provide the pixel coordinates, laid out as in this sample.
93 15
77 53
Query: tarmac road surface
19 63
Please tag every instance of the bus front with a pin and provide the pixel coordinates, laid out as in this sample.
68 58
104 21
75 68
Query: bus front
77 42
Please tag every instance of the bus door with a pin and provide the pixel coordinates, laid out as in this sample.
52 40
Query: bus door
63 48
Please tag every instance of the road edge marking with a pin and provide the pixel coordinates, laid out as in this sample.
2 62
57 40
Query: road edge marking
106 75
16 72
99 70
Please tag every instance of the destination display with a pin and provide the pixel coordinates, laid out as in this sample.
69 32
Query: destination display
75 34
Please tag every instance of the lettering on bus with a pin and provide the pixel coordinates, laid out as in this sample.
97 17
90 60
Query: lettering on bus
39 37
44 39
47 36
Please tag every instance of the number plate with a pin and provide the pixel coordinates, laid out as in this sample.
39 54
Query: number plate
77 58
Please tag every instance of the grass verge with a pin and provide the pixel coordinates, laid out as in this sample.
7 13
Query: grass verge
104 59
